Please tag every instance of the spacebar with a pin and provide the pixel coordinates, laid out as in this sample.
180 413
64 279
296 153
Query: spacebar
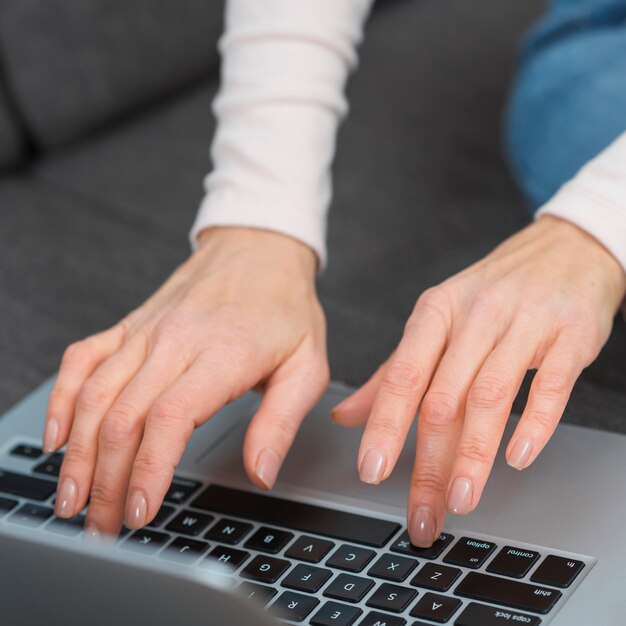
507 592
297 515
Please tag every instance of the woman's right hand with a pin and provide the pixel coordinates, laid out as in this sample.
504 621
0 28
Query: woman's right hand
242 312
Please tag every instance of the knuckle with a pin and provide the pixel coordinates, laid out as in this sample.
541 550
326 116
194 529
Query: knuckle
542 419
402 378
154 465
552 383
439 409
434 301
489 390
74 354
386 428
488 299
94 394
103 494
476 450
121 425
77 454
428 480
167 410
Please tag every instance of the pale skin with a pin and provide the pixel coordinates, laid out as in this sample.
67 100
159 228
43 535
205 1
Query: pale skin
243 313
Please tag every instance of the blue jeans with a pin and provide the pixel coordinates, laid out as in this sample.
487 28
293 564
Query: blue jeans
569 100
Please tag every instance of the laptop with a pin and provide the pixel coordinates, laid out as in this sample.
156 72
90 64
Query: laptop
545 547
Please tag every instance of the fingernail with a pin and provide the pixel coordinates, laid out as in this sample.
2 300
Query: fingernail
92 535
50 435
66 498
267 467
422 527
372 467
460 496
344 404
520 454
136 511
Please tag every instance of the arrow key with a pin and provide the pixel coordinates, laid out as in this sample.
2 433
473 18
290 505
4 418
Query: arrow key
436 608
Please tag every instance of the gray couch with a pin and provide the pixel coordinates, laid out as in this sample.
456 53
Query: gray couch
105 125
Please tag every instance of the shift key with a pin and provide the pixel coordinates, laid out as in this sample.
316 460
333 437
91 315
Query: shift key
507 592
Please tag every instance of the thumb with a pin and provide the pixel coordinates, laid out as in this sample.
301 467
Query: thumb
290 393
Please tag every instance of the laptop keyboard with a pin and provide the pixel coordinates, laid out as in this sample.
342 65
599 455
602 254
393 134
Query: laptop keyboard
320 566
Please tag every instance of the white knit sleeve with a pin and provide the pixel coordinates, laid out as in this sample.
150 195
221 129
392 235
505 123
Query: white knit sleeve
284 68
595 199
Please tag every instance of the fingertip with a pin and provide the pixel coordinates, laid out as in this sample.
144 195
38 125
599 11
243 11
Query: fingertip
266 468
520 454
50 441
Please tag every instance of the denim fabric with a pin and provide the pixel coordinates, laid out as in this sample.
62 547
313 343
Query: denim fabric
569 100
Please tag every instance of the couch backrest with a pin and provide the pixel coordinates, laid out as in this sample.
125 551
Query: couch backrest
72 65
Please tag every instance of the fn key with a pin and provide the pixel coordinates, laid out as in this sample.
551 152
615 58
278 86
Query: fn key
557 571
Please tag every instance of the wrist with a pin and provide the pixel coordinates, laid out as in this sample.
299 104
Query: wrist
266 246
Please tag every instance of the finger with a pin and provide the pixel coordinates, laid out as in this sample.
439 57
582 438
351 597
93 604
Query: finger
291 392
549 394
94 400
403 383
355 409
209 384
489 403
79 361
120 435
440 424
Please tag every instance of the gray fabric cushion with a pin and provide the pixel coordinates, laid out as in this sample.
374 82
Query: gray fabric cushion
421 189
11 137
74 65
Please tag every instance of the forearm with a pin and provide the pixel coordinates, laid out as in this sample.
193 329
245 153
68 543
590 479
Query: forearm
284 68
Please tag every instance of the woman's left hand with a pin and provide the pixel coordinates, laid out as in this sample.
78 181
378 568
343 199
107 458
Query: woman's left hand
545 299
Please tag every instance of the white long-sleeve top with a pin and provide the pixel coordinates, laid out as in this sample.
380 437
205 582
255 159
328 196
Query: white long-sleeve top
284 68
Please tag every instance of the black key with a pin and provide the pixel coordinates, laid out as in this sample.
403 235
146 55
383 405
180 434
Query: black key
436 608
306 578
403 545
391 598
350 558
6 505
257 593
481 615
335 614
557 571
469 552
163 514
26 486
293 606
514 562
436 577
181 490
145 541
184 550
508 592
32 515
349 588
307 518
310 549
392 567
222 557
269 540
374 618
265 569
29 452
228 531
50 466
68 527
190 523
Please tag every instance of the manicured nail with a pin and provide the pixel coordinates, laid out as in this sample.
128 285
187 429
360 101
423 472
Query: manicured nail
136 511
267 467
66 498
92 535
460 496
520 454
51 435
372 467
422 527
